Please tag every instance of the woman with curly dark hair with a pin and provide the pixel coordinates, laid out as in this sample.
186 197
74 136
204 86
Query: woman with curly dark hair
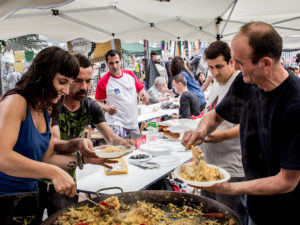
25 138
177 67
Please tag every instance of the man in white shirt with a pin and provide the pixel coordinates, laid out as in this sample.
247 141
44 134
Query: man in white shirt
117 93
222 147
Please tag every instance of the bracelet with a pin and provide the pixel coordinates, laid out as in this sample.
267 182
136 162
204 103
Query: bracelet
79 163
82 159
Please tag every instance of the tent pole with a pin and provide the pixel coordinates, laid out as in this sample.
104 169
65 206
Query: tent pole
140 28
38 14
231 11
147 59
128 15
235 21
86 24
225 35
287 20
278 27
197 28
218 21
286 28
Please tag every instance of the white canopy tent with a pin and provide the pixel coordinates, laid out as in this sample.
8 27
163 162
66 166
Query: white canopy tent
129 20
154 20
283 15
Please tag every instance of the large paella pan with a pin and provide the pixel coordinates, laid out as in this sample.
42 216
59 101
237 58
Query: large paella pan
208 211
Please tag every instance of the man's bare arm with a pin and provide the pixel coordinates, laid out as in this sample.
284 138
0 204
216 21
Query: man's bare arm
109 109
283 182
207 125
85 146
222 135
206 83
111 137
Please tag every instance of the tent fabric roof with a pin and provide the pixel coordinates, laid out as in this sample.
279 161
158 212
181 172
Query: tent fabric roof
9 7
129 20
283 15
133 20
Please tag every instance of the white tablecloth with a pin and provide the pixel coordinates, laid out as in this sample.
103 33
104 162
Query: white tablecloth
148 112
93 177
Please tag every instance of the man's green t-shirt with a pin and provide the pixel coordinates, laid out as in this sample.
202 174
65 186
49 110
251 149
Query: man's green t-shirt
73 124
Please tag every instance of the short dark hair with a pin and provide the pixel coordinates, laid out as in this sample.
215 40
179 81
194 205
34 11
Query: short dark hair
112 53
263 39
84 62
180 79
217 48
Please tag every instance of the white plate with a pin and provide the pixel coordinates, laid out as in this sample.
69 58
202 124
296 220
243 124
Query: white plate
226 175
130 160
113 155
157 148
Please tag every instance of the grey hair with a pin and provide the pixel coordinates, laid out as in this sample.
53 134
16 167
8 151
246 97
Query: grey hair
160 80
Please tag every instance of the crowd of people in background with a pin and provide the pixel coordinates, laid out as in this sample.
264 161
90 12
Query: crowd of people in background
196 66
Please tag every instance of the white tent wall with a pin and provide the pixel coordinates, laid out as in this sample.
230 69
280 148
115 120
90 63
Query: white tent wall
154 20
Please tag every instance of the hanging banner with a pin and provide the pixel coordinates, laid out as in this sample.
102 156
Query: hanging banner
101 49
94 51
29 56
178 48
146 49
81 45
18 66
163 44
19 55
